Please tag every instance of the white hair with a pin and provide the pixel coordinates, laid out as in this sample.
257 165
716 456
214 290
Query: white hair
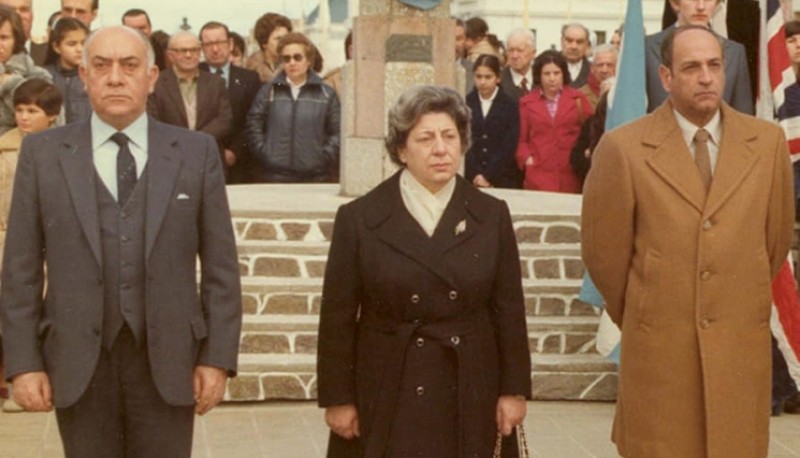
151 55
524 33
604 48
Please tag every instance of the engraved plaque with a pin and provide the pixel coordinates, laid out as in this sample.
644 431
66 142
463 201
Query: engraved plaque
409 48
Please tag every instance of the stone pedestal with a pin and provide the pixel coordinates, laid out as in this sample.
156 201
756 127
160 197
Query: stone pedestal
395 47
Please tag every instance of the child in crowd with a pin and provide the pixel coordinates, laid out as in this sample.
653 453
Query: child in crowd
64 54
37 104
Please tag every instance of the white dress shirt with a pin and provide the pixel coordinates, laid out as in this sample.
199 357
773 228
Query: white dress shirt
517 78
104 150
295 88
426 208
575 69
713 127
226 72
486 104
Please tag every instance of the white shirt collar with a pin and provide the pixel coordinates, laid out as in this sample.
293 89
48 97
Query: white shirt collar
688 129
517 77
425 207
136 131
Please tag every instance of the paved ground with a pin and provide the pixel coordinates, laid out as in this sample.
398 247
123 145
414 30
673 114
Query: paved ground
296 430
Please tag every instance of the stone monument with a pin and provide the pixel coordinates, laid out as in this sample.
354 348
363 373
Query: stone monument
395 46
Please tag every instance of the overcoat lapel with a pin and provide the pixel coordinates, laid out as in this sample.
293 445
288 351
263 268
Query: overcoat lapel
162 169
78 165
736 159
174 91
395 226
456 225
204 99
672 160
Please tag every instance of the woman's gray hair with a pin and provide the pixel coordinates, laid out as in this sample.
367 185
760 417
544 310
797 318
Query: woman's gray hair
420 100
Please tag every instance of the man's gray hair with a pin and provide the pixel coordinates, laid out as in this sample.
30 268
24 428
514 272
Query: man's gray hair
604 48
524 33
181 33
578 25
151 55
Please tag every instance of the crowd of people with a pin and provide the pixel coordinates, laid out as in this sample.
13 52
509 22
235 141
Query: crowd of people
423 345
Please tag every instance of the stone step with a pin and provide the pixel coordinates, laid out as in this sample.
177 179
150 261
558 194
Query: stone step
281 296
554 377
297 335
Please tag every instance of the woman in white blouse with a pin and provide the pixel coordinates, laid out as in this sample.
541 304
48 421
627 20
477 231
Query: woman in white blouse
423 347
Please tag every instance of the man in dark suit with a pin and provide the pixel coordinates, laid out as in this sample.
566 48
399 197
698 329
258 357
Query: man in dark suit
242 85
82 10
517 78
117 210
737 93
186 97
575 46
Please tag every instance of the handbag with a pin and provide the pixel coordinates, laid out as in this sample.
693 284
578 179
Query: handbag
521 441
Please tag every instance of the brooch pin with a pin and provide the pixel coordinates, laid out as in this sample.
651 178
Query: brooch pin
461 227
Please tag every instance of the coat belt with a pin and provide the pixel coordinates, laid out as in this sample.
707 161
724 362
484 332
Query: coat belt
402 332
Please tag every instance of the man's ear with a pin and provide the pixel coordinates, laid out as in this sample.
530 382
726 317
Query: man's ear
666 77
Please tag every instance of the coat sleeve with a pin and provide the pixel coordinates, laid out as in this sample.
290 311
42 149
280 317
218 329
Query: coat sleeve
23 272
341 300
220 283
508 305
333 118
607 224
781 217
523 150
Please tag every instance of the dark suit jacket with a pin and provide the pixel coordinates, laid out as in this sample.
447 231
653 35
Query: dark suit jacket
38 53
737 92
242 87
54 224
387 284
494 141
214 115
508 86
583 76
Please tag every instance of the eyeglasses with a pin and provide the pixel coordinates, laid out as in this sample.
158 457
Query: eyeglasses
185 50
209 44
296 57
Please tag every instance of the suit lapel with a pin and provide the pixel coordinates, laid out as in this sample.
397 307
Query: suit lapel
162 169
203 99
455 227
735 160
174 91
395 226
78 165
672 160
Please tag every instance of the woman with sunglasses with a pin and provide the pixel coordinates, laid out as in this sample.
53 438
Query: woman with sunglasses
293 124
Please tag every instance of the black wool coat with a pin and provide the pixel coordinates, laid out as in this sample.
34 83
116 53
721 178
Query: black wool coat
422 333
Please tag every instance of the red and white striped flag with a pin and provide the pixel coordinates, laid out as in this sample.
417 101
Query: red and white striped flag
779 100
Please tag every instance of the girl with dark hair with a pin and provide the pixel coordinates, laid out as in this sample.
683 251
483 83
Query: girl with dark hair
15 65
64 53
37 104
551 116
495 129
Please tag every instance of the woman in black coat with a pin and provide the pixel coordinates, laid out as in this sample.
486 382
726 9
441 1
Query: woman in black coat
490 161
423 345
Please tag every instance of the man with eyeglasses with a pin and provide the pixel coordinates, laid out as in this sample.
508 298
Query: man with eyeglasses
242 85
186 97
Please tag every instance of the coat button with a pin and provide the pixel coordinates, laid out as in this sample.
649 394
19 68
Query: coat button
456 340
415 298
420 390
705 275
707 225
705 323
124 238
420 341
453 295
484 136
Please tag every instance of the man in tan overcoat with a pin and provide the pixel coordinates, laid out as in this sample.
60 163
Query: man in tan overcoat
684 252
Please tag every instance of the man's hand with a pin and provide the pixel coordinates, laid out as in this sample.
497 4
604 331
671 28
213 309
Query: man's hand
32 391
481 182
510 413
343 420
209 387
230 158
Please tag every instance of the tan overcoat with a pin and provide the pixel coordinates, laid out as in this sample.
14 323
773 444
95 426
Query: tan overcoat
9 153
687 279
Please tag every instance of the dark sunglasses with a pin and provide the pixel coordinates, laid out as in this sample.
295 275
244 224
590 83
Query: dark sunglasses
297 57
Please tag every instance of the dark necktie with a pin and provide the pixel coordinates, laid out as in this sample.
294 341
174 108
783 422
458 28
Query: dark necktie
524 85
701 156
221 75
126 168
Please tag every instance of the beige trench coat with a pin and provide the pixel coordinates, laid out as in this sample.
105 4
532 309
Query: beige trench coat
9 153
687 279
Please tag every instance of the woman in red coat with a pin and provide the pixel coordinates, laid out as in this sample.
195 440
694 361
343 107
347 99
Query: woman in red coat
551 116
